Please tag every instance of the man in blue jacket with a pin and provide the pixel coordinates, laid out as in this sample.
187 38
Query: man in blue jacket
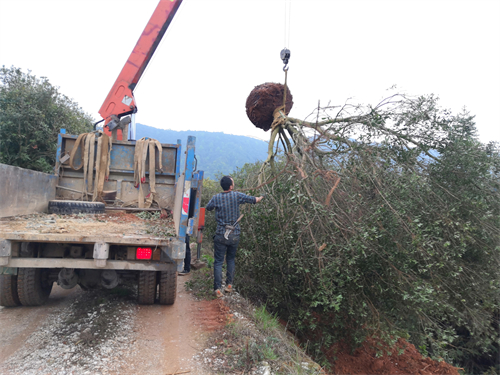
227 211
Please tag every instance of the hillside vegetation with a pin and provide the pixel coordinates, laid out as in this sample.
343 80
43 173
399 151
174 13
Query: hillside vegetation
217 153
32 112
381 237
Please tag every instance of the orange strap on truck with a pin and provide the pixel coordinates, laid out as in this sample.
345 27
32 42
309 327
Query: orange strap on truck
142 146
86 144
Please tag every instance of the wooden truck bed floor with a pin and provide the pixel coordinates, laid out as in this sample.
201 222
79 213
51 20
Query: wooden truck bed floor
114 227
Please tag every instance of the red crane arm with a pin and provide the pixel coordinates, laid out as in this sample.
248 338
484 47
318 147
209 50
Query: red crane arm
120 100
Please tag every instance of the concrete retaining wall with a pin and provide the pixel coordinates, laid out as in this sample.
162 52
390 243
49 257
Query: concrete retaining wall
23 191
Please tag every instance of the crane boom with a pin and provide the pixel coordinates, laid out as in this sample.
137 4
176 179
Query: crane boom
120 100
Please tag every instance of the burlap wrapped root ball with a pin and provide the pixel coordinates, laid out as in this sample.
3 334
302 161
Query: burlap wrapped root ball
262 102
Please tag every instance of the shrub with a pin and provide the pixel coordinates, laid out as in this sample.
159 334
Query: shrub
32 112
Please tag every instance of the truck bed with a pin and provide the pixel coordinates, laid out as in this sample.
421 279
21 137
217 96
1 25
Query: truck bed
115 228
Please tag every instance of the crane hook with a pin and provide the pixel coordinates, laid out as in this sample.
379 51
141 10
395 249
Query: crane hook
285 56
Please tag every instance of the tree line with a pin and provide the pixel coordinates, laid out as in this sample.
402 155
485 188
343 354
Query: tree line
32 111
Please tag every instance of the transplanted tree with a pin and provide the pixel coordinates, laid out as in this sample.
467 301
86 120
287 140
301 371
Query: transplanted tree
380 220
32 112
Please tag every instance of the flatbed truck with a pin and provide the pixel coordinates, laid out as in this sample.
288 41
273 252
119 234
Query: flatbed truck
86 245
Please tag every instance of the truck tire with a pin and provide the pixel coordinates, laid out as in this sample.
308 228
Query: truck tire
146 290
8 291
168 287
32 286
75 207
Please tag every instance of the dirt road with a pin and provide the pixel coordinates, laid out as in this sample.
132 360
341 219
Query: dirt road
105 332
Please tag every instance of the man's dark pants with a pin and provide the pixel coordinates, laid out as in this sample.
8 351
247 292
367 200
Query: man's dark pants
224 248
187 258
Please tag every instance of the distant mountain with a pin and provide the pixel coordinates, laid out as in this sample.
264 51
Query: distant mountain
217 153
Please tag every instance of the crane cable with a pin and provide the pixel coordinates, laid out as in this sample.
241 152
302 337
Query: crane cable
288 8
285 53
279 113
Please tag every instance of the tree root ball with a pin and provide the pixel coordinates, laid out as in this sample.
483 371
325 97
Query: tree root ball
262 102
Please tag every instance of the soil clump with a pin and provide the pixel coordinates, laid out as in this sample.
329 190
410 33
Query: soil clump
262 102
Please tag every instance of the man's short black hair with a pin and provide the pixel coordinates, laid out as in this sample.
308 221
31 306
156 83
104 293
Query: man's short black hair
226 182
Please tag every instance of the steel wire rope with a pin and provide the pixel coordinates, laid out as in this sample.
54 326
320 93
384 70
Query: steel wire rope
288 11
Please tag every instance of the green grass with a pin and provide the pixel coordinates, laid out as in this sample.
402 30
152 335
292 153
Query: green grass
208 259
202 283
269 354
264 320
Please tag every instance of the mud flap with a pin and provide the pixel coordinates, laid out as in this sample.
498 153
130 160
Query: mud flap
175 253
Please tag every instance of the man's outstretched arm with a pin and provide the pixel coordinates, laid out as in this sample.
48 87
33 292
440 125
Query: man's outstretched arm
211 205
243 198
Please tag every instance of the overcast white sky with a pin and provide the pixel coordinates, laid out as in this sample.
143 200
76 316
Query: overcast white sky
216 51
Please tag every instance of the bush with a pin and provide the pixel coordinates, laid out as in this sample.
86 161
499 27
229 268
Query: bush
32 112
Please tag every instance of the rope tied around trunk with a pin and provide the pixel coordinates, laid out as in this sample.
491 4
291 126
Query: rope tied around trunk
279 113
279 117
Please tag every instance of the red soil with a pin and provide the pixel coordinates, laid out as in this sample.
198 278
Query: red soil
211 315
364 361
120 217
